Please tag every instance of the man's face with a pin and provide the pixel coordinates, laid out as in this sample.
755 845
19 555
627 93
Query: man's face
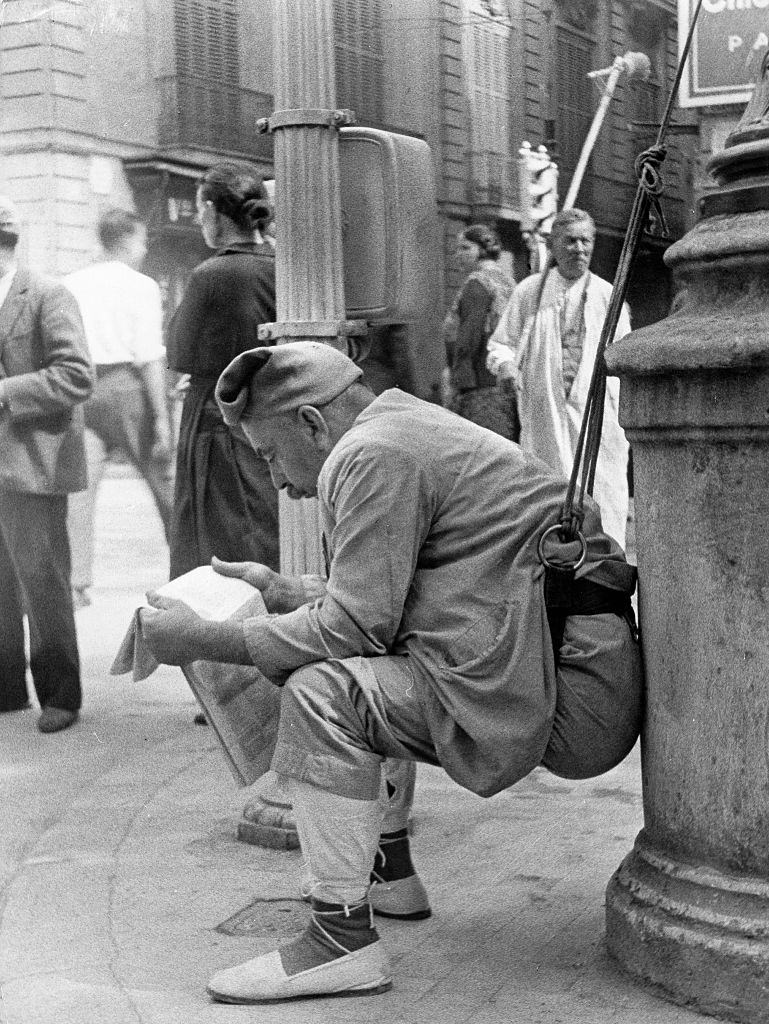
136 246
292 449
572 248
468 253
207 219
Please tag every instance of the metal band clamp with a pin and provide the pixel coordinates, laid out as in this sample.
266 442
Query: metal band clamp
313 329
305 117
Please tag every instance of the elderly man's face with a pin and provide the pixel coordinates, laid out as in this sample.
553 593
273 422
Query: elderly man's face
293 450
572 248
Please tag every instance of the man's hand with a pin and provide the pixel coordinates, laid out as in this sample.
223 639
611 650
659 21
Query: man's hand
281 593
501 362
174 633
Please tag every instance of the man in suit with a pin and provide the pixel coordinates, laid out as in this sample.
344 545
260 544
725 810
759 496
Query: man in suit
45 373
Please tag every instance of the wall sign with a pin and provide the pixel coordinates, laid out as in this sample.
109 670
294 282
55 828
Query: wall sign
729 43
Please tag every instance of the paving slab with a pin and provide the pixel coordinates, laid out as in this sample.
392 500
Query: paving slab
123 886
114 913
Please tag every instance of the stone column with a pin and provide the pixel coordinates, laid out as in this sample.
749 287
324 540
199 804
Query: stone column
688 909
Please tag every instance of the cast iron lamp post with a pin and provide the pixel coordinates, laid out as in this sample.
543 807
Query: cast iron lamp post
308 280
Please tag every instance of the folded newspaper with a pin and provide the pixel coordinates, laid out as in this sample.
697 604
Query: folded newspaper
240 703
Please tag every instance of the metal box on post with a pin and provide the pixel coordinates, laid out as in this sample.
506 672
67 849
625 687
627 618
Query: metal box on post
389 226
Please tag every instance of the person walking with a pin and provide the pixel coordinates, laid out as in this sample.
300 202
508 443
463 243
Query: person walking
546 343
45 375
436 638
472 389
128 411
224 503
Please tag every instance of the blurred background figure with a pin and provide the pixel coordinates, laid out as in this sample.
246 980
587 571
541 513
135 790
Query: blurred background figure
471 390
546 343
388 359
128 411
45 373
224 500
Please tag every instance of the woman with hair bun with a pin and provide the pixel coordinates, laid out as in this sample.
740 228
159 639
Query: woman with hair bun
224 500
472 391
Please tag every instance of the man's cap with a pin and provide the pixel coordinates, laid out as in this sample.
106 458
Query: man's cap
10 219
273 381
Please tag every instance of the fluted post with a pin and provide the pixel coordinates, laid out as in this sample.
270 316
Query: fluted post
308 257
308 278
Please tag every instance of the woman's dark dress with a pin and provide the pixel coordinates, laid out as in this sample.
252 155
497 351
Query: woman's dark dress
475 394
224 500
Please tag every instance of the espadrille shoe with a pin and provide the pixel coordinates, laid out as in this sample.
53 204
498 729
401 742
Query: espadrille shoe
396 889
338 954
404 898
362 973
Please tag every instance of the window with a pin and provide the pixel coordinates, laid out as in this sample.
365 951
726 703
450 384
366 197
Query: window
646 102
574 100
207 100
486 45
359 58
647 28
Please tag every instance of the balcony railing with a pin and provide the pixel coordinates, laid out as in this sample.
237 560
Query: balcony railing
493 180
211 115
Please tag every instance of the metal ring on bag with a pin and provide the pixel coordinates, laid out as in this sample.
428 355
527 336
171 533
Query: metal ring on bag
541 549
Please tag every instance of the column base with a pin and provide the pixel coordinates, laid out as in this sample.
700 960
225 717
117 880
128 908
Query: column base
698 935
268 819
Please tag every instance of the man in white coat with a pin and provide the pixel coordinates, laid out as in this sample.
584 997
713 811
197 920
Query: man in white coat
548 348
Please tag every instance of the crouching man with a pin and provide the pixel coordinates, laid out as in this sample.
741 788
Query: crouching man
434 640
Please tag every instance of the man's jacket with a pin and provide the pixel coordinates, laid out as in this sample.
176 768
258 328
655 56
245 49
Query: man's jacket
431 525
45 373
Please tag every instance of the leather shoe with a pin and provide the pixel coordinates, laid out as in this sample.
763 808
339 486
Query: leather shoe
403 898
56 719
263 979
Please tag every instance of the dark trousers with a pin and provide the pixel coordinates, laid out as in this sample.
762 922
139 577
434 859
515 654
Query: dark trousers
34 579
117 416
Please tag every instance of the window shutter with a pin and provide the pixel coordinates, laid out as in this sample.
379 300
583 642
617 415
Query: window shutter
487 46
573 99
646 98
359 58
207 72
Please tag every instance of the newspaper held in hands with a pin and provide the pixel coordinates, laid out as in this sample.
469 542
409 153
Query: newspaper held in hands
241 705
211 595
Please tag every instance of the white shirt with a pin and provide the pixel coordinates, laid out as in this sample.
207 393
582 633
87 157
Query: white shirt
6 280
121 313
529 334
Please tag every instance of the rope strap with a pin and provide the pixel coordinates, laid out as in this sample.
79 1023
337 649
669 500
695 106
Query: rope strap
650 188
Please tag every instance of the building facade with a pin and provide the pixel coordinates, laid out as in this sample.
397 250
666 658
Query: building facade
543 50
110 102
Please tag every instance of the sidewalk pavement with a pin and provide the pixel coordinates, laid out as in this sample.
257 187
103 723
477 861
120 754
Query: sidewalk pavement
132 889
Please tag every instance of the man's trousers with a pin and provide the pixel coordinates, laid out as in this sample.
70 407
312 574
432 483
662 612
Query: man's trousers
34 579
340 719
118 416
